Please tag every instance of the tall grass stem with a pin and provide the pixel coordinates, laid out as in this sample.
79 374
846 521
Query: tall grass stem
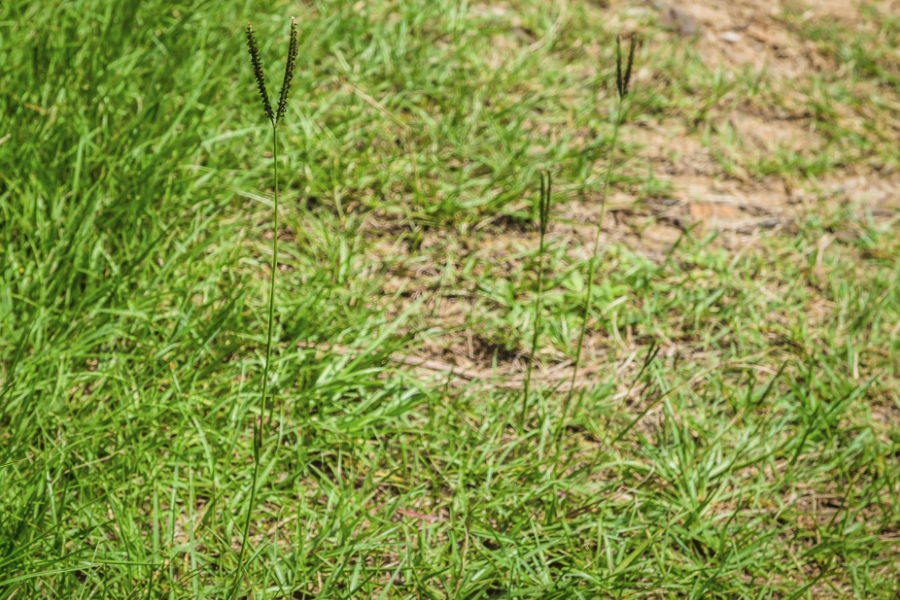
259 426
592 267
544 215
623 79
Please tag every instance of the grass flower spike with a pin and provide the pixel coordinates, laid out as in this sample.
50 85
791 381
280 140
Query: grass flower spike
623 79
253 50
274 118
288 73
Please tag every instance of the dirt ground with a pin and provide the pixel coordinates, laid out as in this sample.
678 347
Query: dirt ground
738 34
704 196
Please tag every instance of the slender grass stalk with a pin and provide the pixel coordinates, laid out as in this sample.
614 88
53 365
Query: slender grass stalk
544 220
274 118
622 83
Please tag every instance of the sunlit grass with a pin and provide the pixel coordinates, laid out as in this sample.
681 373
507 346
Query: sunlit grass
752 457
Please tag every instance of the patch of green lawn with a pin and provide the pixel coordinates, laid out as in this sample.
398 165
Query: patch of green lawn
752 458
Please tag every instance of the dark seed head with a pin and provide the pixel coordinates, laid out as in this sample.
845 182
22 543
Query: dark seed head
253 49
619 82
623 80
288 72
630 63
544 202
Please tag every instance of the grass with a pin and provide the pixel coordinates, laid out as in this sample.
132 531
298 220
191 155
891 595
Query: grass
261 423
753 457
545 201
623 78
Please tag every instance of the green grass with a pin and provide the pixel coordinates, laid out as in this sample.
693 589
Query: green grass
754 457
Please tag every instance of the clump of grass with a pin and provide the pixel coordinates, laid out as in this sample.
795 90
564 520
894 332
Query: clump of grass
544 221
274 116
623 80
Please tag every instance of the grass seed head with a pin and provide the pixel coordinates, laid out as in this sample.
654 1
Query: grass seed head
630 63
619 86
544 205
253 49
623 80
288 72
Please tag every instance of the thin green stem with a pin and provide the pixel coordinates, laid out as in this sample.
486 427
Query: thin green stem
537 327
246 532
592 268
271 288
258 429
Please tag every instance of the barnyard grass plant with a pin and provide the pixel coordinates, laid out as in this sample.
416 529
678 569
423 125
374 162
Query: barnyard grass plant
623 80
275 117
543 223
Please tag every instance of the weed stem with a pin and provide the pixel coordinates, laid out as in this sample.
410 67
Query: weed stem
592 268
544 216
259 427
